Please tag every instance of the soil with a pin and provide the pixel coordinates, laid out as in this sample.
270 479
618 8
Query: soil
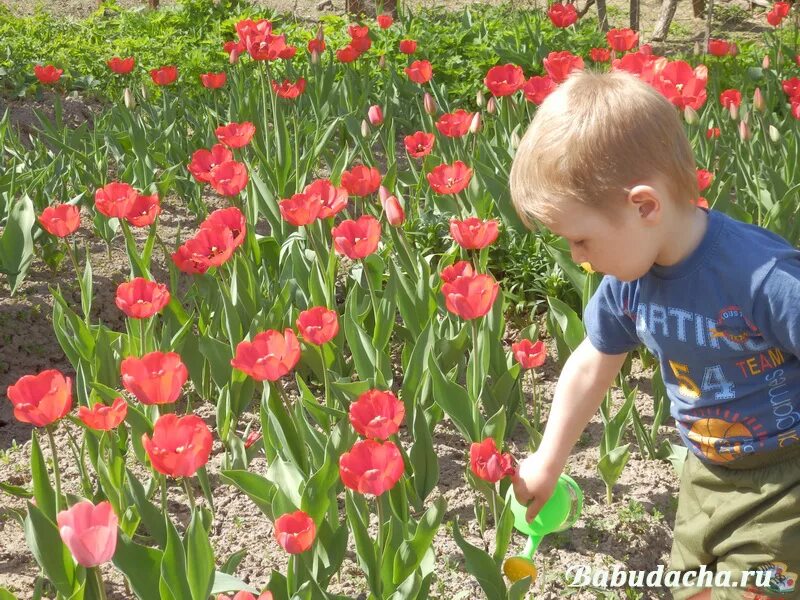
634 531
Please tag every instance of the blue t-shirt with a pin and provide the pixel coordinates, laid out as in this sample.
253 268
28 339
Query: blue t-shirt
725 326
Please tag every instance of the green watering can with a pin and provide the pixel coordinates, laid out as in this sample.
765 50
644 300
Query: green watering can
558 514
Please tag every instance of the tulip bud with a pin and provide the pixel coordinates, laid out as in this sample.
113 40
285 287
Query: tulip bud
382 61
774 134
144 92
697 49
479 100
744 131
383 193
515 140
320 32
429 103
233 57
314 57
734 110
394 211
779 57
375 115
765 62
475 124
364 128
491 106
690 115
758 101
130 102
734 51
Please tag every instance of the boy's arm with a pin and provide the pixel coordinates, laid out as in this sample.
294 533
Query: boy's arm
586 376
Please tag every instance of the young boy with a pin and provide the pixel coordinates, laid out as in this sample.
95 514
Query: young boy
606 164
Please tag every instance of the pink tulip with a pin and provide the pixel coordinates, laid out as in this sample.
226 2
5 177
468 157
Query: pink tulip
89 531
375 115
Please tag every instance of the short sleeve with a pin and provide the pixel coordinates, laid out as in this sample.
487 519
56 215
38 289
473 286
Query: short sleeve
776 307
609 318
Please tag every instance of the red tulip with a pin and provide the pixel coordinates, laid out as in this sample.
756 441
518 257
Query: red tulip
315 45
361 180
462 268
780 10
643 65
266 46
358 31
455 124
295 532
41 399
188 262
229 178
236 135
347 54
61 220
357 239
538 87
179 446
796 108
121 66
289 90
47 74
562 15
713 132
140 298
270 355
155 378
529 354
204 161
213 81
288 53
164 75
371 467
318 325
560 64
385 21
408 46
89 531
252 438
730 98
211 246
233 46
144 210
797 60
419 144
622 40
450 179
377 415
791 87
334 199
488 463
470 296
242 595
103 417
231 218
419 71
702 202
473 233
247 28
115 199
718 47
600 55
375 115
682 85
300 209
704 179
395 215
504 80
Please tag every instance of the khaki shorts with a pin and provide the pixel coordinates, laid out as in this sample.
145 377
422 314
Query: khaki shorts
737 520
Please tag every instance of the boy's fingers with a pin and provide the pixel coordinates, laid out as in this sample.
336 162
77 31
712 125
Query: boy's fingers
533 509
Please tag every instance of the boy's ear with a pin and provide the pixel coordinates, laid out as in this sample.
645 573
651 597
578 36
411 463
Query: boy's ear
647 202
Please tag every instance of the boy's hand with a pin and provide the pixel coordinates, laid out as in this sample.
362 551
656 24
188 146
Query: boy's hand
534 483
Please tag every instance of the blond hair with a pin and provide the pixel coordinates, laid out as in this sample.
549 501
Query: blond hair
595 135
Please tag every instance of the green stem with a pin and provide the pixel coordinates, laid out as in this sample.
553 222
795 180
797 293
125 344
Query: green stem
475 373
101 586
164 501
379 351
142 350
189 493
379 580
56 470
324 374
284 398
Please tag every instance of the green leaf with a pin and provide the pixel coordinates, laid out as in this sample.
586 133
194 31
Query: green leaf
481 566
423 458
568 321
411 552
224 582
16 242
42 490
454 401
357 517
199 559
259 489
53 557
141 565
173 565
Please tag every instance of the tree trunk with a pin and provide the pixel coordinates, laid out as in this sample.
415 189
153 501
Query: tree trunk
635 15
601 15
153 4
668 8
709 18
698 6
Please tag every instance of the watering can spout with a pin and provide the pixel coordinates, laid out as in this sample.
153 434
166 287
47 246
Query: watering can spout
559 513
